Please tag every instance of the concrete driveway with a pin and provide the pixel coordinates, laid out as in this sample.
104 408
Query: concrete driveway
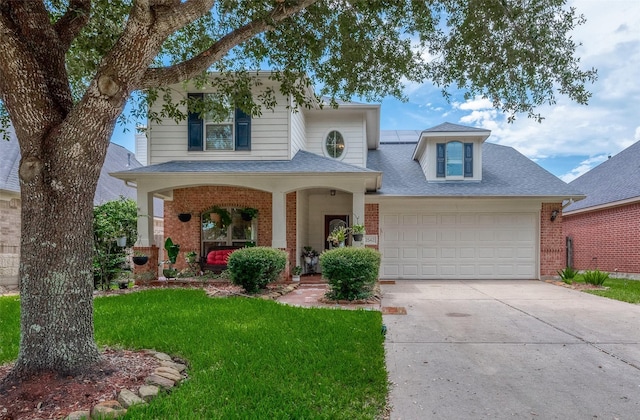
510 349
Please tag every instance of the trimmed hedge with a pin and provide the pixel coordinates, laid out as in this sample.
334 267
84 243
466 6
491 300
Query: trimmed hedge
253 268
350 272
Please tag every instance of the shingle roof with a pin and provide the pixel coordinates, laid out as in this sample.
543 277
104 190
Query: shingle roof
109 188
614 180
505 172
302 162
9 161
447 127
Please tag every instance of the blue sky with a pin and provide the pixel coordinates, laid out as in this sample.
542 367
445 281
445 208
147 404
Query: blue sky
572 138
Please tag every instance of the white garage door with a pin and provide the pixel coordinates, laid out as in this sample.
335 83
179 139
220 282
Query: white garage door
458 245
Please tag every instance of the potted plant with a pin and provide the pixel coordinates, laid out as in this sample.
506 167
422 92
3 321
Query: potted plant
295 273
248 213
310 256
139 258
338 236
357 232
219 216
184 217
172 253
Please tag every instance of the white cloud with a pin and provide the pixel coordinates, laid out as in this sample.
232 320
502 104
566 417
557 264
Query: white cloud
584 167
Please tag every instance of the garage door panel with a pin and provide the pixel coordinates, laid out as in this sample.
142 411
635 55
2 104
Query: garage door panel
410 220
410 253
410 270
458 245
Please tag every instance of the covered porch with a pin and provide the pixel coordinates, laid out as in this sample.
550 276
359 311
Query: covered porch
294 204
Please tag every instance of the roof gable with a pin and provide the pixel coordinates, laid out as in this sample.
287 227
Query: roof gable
505 173
617 179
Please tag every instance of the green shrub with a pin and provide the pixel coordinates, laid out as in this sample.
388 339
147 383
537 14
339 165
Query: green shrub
595 277
350 272
568 275
112 220
254 268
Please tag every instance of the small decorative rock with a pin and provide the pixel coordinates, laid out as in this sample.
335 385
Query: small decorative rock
108 410
160 381
177 366
79 415
128 398
169 373
148 392
163 356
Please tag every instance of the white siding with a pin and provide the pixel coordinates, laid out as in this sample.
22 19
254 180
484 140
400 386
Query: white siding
141 148
349 123
269 137
298 131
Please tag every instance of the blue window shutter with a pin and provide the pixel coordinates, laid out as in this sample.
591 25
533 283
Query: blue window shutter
243 130
440 148
195 127
468 160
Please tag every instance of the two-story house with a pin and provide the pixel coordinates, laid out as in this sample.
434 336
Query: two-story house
438 204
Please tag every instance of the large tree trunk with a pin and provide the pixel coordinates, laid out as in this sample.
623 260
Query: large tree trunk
56 282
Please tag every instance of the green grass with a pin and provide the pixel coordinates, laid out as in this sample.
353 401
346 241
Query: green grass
248 358
619 289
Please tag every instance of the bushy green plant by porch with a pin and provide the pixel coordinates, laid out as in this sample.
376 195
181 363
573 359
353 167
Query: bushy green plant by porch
350 272
248 358
112 220
255 267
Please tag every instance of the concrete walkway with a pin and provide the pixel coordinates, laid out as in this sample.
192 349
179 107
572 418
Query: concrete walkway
510 350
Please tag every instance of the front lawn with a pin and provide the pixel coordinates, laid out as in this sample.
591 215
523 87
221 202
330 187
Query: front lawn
248 358
619 289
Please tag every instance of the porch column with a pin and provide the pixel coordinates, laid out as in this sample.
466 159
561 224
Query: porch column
358 207
278 220
358 213
145 218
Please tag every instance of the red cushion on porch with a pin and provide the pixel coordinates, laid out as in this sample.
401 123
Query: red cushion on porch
219 256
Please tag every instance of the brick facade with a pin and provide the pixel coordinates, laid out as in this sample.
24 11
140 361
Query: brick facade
552 244
607 239
372 221
195 200
10 225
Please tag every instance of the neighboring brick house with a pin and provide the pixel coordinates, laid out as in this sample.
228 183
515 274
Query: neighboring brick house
118 158
438 204
605 227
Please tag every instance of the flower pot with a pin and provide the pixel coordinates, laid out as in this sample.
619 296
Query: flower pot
121 241
140 260
295 277
184 217
357 236
307 260
169 273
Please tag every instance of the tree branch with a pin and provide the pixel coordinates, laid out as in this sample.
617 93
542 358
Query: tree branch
155 77
75 18
174 15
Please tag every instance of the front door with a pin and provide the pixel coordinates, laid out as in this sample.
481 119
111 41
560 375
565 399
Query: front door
331 222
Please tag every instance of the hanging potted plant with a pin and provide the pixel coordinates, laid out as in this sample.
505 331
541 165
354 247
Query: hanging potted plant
184 217
219 216
248 213
139 258
357 232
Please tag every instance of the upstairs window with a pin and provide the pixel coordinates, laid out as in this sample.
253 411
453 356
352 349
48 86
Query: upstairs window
218 133
334 144
454 160
231 132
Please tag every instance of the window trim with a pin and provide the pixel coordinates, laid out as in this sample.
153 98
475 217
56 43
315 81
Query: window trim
325 149
197 125
467 161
